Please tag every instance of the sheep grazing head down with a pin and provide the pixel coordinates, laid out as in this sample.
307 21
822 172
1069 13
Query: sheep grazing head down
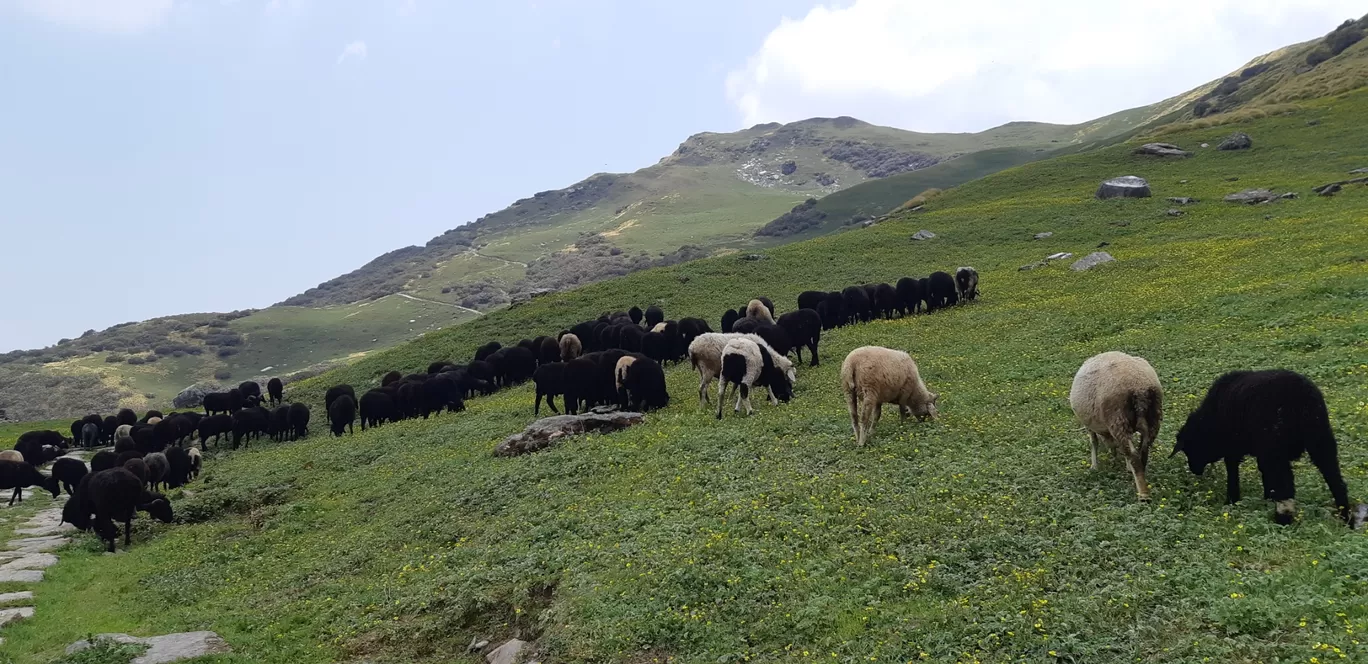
923 411
1192 441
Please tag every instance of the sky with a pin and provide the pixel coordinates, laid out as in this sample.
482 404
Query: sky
172 156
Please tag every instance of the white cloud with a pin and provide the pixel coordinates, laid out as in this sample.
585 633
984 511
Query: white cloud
110 16
356 49
971 64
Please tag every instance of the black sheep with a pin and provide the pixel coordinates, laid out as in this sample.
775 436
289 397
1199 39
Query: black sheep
857 304
223 402
481 377
107 429
966 283
654 316
390 378
278 427
804 328
745 325
114 495
644 384
832 310
885 300
276 389
440 392
406 398
69 472
31 445
586 334
550 382
549 351
630 338
377 407
810 299
90 435
608 337
147 417
635 315
103 460
138 467
250 388
942 291
299 421
145 438
438 366
337 391
165 433
483 352
18 474
216 426
514 366
729 318
341 414
1273 416
581 381
657 346
178 467
126 416
909 295
76 428
775 336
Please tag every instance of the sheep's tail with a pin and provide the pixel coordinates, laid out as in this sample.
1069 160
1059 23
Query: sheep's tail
1147 408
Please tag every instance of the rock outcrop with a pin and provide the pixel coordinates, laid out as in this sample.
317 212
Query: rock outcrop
1161 150
550 431
1126 186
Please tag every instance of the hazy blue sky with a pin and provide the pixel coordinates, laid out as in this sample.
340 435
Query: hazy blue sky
167 156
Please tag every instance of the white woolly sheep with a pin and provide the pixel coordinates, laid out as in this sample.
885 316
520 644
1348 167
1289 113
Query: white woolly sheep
705 354
872 376
1115 395
757 310
11 455
196 461
747 364
123 436
620 376
570 347
659 327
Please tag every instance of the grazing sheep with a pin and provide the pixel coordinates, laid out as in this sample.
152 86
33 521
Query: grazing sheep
377 407
334 392
390 378
620 374
223 402
107 429
115 494
689 329
138 467
909 295
654 316
550 382
1115 395
157 467
656 346
729 318
90 435
832 310
872 376
123 437
18 474
196 462
810 299
68 472
580 383
216 426
756 309
276 390
548 351
37 446
642 384
1273 416
858 306
803 328
443 391
885 300
483 352
103 460
942 291
747 364
178 472
630 338
157 415
570 347
299 421
966 283
11 455
635 314
777 337
705 354
127 416
341 414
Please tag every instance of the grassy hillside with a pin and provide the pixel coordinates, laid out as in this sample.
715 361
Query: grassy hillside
145 364
980 537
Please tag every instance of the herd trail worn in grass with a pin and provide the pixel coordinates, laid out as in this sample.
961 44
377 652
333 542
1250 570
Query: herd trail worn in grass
980 537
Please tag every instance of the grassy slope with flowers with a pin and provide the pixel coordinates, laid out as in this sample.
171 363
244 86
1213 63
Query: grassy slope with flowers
981 537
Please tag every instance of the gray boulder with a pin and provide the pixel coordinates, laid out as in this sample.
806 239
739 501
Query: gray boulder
923 235
549 431
1357 171
1236 141
507 653
1161 150
1251 196
1175 212
193 396
1182 200
164 649
1092 260
1126 186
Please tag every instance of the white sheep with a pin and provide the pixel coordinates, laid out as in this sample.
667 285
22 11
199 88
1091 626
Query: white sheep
123 434
196 461
872 376
1115 395
11 455
659 327
757 310
570 347
620 376
705 354
747 364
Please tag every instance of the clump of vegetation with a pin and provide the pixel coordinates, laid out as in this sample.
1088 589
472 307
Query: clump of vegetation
877 161
482 295
803 217
593 258
223 374
921 199
1347 34
104 651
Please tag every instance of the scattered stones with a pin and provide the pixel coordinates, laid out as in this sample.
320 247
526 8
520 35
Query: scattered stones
8 616
166 648
1092 260
1032 266
550 431
923 235
9 598
1162 150
39 544
506 653
1206 145
1182 200
1042 236
1236 141
1175 212
1357 171
1059 256
1340 184
477 644
1126 186
31 561
1182 182
1331 190
21 575
1288 196
1251 196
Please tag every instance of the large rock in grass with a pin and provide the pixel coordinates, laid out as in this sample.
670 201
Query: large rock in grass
1236 141
1161 150
193 396
549 431
1251 196
164 649
1126 186
1092 260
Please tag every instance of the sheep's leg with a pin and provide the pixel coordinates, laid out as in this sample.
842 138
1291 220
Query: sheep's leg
721 396
1092 438
1233 479
702 389
17 492
774 401
1280 487
1137 469
853 405
745 398
812 350
536 406
869 418
1327 463
551 403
